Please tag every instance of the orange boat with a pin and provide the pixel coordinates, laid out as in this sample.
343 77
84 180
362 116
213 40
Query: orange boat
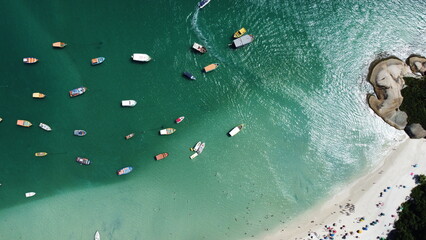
161 156
24 123
59 45
30 60
211 67
38 95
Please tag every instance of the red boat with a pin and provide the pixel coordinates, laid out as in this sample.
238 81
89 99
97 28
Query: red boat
180 119
161 156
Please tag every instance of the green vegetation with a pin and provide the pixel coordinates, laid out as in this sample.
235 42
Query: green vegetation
414 103
411 224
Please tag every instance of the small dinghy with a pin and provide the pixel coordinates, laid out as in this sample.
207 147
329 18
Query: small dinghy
129 136
141 57
59 44
98 60
180 119
128 103
29 194
30 60
45 127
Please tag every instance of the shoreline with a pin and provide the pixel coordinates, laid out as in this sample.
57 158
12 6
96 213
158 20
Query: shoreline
369 201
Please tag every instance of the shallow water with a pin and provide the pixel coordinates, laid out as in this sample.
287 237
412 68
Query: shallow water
299 88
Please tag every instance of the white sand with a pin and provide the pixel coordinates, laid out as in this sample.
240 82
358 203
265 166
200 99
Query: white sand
362 195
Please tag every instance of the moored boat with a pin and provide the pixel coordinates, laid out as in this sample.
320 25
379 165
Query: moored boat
30 60
167 131
244 40
141 57
179 119
129 136
38 95
193 156
199 48
97 235
45 127
98 60
59 44
161 156
200 150
40 154
196 147
30 194
128 103
79 133
24 123
77 91
203 3
235 130
83 161
189 75
211 67
240 33
1 119
125 170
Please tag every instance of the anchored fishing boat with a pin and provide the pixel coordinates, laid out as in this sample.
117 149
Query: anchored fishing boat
38 95
59 45
167 131
77 91
235 130
45 127
79 133
244 40
189 75
211 67
40 154
161 156
30 60
98 60
24 123
141 57
199 48
125 170
240 33
83 161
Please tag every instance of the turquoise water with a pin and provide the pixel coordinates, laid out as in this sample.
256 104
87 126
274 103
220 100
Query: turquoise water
299 88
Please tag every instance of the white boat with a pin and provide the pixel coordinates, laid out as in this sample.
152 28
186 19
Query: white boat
235 130
196 147
128 103
167 131
203 3
141 57
97 235
193 156
30 194
200 150
45 127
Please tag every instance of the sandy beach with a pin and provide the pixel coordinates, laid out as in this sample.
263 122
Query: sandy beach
367 207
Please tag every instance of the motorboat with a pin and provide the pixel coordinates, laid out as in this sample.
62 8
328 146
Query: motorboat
128 103
38 95
235 130
200 150
1 119
167 131
179 119
203 3
97 235
141 57
59 44
193 156
98 60
161 156
30 60
211 67
196 147
240 33
189 75
79 133
77 91
83 161
45 127
244 40
24 123
129 136
125 170
199 48
29 194
40 154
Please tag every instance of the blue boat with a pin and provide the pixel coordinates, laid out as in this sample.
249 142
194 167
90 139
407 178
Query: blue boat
189 75
123 171
98 60
79 133
203 3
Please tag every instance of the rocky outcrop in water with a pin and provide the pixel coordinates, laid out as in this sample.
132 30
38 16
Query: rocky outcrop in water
387 77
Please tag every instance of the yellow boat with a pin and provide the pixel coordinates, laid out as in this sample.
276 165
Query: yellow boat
240 33
59 45
38 95
40 154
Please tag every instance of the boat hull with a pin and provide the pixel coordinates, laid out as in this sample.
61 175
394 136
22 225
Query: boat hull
79 133
129 136
161 156
40 154
24 123
29 194
59 45
180 119
45 127
189 76
78 91
240 33
83 161
167 131
141 57
199 48
30 60
211 67
242 41
38 95
98 60
128 103
235 130
124 171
